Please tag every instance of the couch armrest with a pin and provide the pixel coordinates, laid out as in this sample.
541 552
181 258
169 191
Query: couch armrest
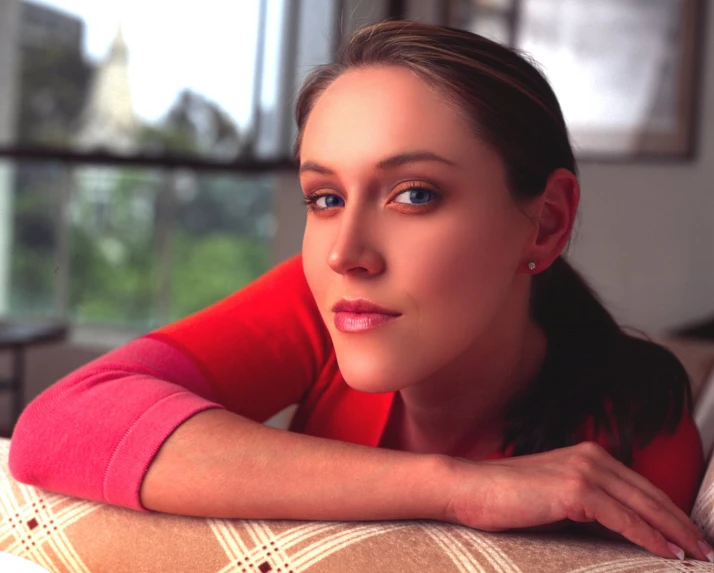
704 415
66 534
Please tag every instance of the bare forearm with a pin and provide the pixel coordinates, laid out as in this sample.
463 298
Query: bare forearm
218 464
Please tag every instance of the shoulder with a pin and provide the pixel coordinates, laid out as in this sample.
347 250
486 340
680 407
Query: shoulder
674 462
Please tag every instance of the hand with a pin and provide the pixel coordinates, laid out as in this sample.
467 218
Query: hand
581 483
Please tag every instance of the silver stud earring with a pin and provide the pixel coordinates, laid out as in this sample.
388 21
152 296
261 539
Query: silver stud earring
531 265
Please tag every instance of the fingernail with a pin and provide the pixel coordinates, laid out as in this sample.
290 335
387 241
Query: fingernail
706 550
678 551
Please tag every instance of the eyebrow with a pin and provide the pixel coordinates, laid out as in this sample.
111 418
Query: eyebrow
384 164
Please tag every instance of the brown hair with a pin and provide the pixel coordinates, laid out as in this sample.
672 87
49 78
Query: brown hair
511 106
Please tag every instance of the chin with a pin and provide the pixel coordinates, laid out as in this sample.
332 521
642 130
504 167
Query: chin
370 376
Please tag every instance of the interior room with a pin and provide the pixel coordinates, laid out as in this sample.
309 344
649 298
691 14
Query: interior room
147 169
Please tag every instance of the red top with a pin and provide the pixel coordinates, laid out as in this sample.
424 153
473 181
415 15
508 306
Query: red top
94 433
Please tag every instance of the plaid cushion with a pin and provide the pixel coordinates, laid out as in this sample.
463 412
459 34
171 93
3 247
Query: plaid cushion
70 535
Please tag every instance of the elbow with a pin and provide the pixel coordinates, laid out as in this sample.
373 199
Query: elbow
38 441
21 464
25 453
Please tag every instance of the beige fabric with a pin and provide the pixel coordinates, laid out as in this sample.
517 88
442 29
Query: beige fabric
703 511
704 415
69 535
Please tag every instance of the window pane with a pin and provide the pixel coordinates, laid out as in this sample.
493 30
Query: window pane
623 72
29 275
113 246
129 248
500 5
496 28
614 65
224 228
129 76
489 18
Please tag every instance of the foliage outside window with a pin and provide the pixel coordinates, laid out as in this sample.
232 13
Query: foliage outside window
129 218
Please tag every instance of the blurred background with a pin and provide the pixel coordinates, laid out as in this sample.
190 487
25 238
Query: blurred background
146 170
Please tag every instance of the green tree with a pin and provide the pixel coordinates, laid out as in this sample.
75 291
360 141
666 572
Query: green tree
113 274
212 267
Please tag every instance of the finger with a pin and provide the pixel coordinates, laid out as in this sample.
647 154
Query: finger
658 496
641 483
625 521
657 514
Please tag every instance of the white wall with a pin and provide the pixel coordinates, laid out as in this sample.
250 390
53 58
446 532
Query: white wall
646 238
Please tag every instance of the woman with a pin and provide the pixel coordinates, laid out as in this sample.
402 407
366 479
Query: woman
431 329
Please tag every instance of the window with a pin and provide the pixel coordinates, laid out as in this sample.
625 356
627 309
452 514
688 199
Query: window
140 149
134 247
131 77
494 19
623 70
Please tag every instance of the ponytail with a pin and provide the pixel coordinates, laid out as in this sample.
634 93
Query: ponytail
593 366
562 299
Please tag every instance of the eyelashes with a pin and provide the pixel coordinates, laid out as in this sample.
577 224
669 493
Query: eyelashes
424 196
415 189
311 199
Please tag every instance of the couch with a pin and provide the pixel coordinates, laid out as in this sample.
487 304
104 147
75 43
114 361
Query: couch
68 535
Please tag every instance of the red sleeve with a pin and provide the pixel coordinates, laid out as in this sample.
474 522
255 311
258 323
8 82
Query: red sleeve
674 463
94 433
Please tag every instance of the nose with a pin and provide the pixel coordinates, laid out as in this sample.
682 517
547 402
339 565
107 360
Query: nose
353 250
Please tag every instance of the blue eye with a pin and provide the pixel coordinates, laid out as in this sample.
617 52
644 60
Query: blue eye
330 201
417 196
314 201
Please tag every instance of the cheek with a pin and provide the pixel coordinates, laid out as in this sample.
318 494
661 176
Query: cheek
314 256
463 259
460 280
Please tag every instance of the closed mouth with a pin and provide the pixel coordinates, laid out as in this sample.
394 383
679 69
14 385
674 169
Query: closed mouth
362 306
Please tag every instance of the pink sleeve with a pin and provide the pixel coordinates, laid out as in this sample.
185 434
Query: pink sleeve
92 435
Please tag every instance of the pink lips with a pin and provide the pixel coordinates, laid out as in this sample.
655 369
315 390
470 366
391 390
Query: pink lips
361 315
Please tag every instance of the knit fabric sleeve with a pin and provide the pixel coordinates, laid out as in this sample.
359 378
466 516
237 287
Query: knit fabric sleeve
674 462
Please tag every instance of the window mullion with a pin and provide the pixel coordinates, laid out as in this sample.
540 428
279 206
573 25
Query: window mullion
62 232
514 22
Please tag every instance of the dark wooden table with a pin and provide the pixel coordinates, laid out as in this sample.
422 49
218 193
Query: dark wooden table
17 336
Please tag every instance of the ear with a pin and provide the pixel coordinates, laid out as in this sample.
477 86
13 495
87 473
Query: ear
553 220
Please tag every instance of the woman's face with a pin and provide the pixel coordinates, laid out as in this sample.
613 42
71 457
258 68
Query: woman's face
412 213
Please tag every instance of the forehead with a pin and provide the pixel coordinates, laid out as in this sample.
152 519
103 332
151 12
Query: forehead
368 114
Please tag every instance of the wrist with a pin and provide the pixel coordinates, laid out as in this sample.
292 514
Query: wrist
442 480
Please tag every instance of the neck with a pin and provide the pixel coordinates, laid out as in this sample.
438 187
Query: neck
459 410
